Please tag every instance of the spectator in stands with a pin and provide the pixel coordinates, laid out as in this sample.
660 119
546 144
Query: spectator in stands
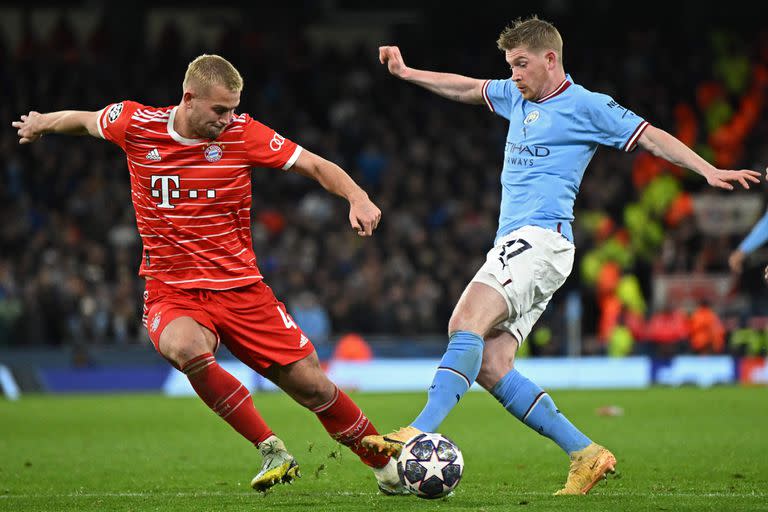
667 331
707 331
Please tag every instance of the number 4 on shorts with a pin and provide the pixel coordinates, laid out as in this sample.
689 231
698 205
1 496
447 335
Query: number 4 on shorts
287 320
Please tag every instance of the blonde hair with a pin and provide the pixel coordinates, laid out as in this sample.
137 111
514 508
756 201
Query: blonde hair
208 70
531 33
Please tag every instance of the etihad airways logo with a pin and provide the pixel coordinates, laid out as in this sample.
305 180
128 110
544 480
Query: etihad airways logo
522 154
523 150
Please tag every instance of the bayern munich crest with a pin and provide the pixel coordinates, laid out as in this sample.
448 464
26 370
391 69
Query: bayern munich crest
213 152
155 323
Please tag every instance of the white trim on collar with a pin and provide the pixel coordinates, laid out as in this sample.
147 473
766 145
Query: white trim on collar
175 135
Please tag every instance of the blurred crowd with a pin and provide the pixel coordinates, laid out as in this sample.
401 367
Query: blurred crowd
69 249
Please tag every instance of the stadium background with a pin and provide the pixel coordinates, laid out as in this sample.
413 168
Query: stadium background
652 240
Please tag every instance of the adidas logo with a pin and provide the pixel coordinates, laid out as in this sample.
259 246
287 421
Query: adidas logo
153 155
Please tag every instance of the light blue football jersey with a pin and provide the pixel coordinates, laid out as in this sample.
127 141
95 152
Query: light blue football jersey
549 145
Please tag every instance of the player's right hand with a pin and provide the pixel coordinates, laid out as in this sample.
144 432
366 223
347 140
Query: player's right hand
390 55
29 127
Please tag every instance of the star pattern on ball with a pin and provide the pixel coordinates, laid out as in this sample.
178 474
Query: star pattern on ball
433 466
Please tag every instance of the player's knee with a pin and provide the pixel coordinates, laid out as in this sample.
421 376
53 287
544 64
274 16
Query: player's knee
183 345
473 319
181 352
462 320
315 393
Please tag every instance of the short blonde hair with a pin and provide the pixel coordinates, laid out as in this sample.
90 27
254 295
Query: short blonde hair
208 70
531 33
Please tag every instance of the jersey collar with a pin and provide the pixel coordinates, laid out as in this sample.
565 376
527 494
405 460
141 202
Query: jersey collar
566 83
175 135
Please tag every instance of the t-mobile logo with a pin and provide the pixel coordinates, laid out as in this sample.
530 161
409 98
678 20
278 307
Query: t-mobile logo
165 192
169 189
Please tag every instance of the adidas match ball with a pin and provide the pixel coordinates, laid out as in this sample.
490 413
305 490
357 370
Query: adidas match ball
430 465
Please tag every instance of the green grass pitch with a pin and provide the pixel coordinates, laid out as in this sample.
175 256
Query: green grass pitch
677 449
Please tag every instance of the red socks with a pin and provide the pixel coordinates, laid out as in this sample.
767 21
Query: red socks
226 396
347 424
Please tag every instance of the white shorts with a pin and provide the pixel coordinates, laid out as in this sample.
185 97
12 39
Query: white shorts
526 267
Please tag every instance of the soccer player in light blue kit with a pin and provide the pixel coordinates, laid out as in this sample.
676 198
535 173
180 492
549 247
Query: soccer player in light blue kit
555 127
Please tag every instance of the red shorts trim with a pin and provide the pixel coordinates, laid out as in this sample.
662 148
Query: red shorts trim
249 321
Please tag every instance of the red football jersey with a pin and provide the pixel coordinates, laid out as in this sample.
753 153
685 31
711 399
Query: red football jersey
193 197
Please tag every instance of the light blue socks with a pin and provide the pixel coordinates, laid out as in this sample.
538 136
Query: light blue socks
530 404
457 371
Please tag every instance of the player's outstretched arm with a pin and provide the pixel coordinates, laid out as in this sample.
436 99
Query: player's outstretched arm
71 122
364 216
448 85
664 145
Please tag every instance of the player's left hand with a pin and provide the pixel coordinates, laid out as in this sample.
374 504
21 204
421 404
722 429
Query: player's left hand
364 216
720 178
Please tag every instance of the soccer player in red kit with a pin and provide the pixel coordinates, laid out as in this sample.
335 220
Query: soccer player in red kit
190 168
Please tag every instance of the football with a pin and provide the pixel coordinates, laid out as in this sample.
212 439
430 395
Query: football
430 465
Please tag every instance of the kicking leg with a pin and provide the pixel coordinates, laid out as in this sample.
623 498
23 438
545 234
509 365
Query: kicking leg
190 346
527 402
479 308
306 382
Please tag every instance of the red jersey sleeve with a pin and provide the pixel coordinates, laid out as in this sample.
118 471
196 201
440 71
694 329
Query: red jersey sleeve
114 120
267 148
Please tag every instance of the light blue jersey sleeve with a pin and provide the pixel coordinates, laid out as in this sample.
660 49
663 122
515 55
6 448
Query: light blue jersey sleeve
757 237
610 124
500 96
